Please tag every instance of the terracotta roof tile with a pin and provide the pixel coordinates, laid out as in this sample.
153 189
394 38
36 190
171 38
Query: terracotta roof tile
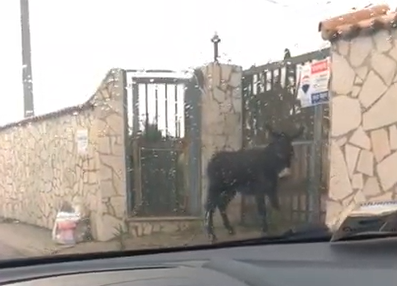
351 25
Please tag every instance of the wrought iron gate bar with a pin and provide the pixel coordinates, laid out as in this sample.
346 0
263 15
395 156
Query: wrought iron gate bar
159 80
156 188
320 54
269 96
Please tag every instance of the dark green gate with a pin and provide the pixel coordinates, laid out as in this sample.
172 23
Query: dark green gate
158 130
270 97
160 188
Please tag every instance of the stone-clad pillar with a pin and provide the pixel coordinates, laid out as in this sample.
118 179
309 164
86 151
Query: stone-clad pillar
221 119
363 140
110 118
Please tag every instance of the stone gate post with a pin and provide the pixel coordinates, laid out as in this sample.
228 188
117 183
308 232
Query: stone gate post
221 120
363 137
110 118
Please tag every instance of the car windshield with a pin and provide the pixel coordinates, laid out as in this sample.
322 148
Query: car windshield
154 124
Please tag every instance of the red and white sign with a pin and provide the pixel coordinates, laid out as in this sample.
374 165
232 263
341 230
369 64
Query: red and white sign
313 83
319 67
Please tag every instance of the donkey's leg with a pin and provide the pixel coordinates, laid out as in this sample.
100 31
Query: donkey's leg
210 207
261 207
224 201
272 193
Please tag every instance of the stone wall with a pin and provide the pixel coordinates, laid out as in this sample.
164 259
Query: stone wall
363 153
221 120
110 113
41 166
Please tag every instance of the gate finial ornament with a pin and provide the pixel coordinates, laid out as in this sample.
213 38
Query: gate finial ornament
216 40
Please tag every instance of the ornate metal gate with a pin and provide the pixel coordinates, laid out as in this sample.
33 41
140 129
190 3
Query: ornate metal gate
269 94
158 143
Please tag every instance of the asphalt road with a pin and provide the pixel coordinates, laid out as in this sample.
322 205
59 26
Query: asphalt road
7 252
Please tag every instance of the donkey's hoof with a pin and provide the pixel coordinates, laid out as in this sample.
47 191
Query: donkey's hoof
213 239
231 231
264 234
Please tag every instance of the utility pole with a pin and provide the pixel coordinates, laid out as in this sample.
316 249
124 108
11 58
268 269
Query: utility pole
27 79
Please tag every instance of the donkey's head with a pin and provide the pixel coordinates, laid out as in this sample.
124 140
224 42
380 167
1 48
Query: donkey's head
281 144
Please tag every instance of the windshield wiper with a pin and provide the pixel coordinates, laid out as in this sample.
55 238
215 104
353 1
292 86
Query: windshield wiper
308 233
367 236
308 230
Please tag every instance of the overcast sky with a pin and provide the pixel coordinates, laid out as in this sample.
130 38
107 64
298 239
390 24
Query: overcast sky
75 42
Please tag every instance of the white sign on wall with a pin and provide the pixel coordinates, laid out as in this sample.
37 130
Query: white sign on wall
82 141
313 83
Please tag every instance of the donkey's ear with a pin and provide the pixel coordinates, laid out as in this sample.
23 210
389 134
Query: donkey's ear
298 133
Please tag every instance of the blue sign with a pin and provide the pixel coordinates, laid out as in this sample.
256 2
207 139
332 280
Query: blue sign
320 97
313 84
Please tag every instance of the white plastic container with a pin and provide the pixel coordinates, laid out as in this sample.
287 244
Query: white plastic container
64 228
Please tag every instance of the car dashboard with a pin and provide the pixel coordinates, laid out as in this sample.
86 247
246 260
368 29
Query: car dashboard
300 264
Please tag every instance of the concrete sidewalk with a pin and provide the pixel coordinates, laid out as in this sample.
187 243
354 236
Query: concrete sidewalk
35 241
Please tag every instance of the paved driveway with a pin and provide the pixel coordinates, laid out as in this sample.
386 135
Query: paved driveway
7 252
